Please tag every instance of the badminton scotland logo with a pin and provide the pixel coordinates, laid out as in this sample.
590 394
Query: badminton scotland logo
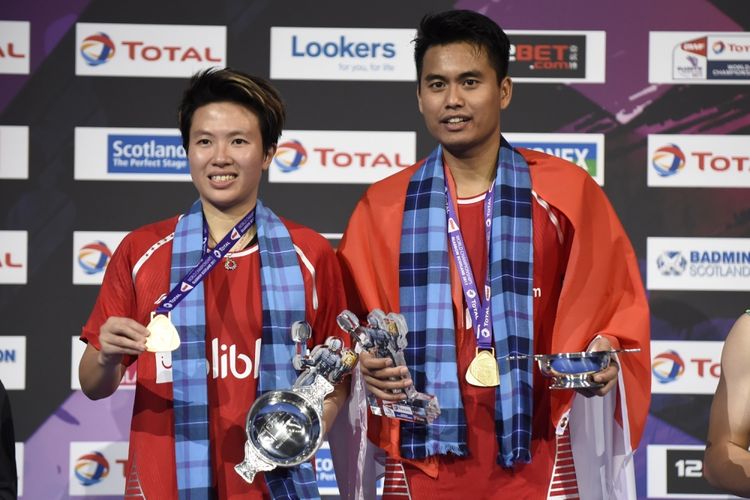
667 367
91 468
94 257
671 263
290 155
668 160
97 49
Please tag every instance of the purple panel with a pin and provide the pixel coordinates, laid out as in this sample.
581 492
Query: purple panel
46 452
49 23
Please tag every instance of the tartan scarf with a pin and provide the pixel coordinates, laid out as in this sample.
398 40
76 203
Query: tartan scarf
425 301
283 302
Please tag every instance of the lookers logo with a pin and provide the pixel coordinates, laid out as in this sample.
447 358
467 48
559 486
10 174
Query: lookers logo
148 50
342 54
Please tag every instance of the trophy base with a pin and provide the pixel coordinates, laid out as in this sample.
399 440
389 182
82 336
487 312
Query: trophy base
252 464
421 408
581 381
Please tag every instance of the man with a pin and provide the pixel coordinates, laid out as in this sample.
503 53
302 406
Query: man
727 460
188 429
522 244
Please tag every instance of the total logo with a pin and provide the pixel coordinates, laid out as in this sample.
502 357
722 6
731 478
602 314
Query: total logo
671 263
147 49
91 468
341 156
92 252
13 257
668 160
718 47
699 160
97 49
667 367
97 468
14 47
93 257
685 367
290 155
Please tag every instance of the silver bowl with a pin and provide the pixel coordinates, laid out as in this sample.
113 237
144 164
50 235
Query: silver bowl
573 370
284 428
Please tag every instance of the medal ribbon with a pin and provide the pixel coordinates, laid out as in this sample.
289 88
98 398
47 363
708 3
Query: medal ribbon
480 309
207 262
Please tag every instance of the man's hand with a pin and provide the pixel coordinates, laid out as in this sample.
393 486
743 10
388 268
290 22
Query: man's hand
120 336
608 376
382 377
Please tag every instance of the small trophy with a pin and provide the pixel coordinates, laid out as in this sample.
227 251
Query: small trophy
385 336
285 428
573 370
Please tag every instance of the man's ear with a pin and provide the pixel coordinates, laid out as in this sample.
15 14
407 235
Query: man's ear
506 92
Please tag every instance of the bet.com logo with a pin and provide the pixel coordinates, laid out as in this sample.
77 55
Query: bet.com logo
667 367
668 160
94 257
290 156
671 263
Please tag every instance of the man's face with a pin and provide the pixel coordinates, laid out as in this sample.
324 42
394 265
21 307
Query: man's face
226 156
460 98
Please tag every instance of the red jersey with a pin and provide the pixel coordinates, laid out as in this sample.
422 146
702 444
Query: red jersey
136 280
478 475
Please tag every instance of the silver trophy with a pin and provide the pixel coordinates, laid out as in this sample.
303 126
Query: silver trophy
385 336
285 428
573 370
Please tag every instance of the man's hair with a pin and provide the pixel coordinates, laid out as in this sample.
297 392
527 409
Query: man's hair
228 85
456 26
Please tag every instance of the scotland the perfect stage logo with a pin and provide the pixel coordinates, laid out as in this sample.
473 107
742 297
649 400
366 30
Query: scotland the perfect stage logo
149 154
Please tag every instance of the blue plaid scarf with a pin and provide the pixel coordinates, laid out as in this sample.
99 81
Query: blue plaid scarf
425 301
283 300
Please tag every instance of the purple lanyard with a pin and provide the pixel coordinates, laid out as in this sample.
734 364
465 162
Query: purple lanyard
207 262
480 309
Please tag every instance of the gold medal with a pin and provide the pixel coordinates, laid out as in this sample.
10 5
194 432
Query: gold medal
483 370
164 336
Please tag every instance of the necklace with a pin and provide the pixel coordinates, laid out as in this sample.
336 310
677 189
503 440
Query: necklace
229 263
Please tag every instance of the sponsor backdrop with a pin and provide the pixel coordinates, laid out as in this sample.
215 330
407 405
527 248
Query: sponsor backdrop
651 98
